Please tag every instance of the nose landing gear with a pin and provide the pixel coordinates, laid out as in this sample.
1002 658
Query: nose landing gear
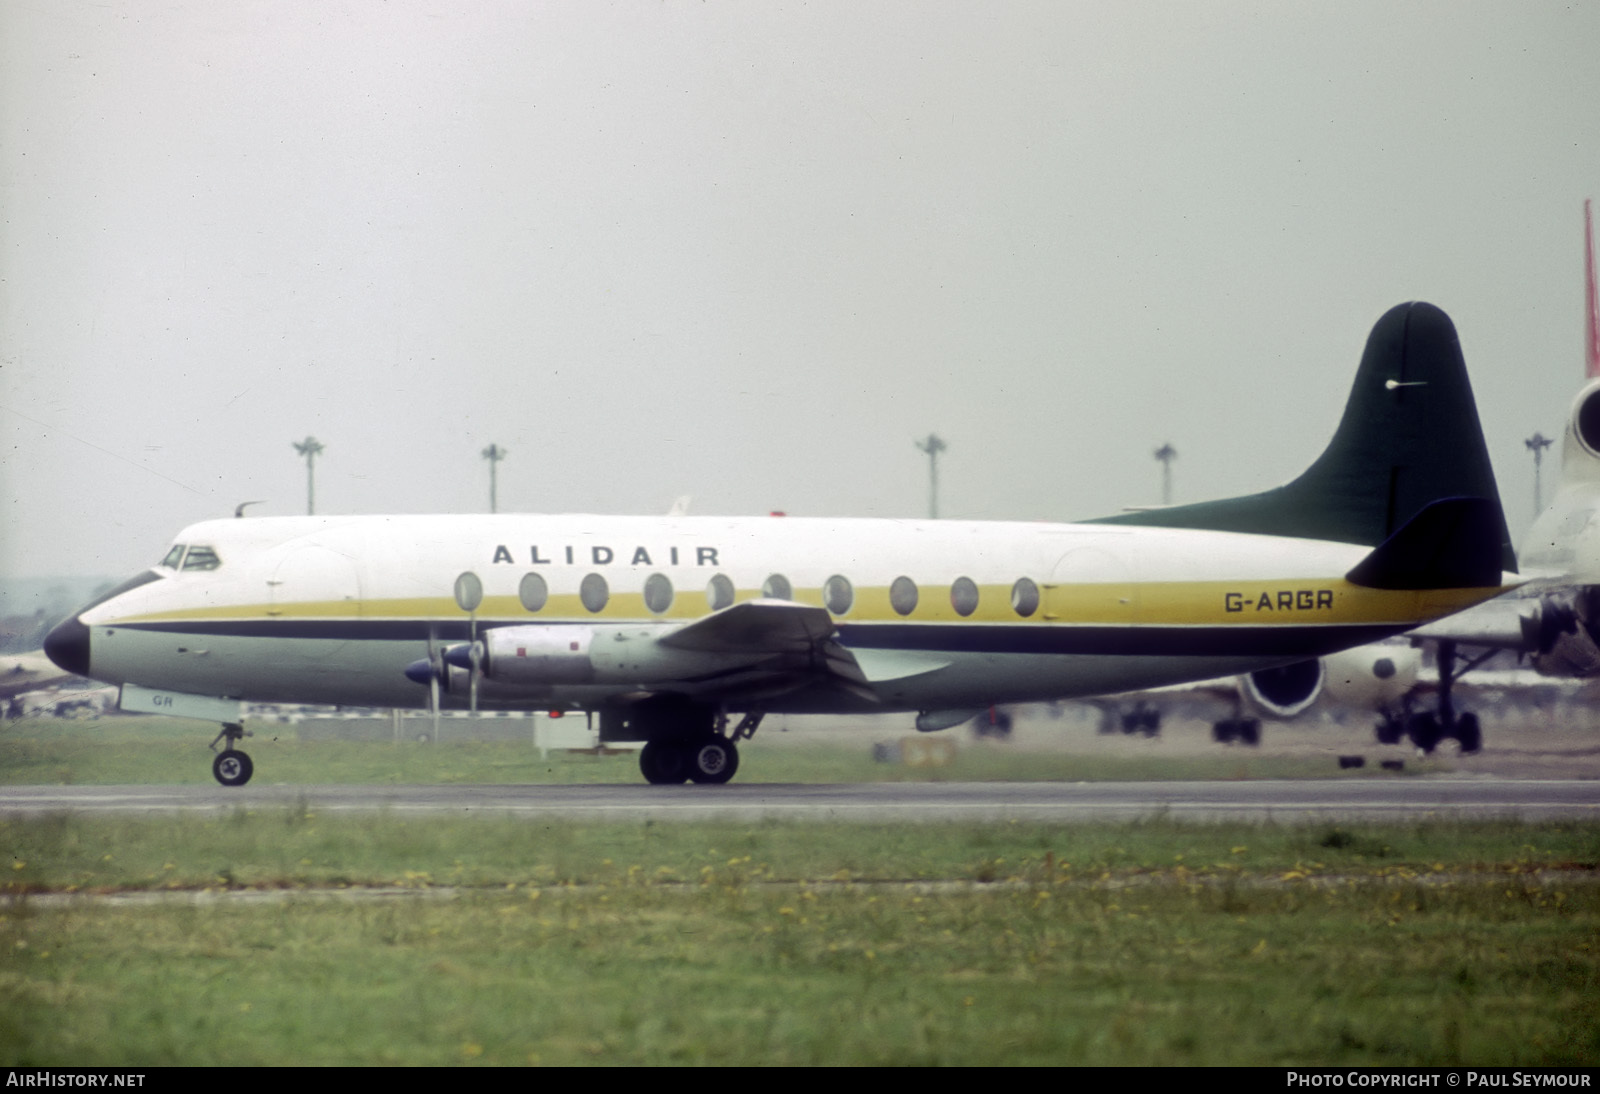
231 767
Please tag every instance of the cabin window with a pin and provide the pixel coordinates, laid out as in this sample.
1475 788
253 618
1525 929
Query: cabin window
1024 597
174 556
201 558
658 593
903 595
719 593
469 592
594 592
776 587
837 594
533 592
964 596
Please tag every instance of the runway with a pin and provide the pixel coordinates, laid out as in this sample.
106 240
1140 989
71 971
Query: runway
1281 801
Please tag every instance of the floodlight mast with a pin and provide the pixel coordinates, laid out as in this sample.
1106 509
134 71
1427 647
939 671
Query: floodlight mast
309 449
932 446
1537 444
1166 454
494 454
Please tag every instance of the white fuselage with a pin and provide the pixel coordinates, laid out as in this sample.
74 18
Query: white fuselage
938 614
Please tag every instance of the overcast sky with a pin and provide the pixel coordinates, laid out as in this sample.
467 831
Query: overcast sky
749 252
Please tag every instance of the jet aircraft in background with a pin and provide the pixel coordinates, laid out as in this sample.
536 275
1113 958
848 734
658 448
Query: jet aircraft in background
1554 618
1381 678
21 673
670 628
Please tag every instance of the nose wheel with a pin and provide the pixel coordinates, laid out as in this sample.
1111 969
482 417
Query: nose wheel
231 766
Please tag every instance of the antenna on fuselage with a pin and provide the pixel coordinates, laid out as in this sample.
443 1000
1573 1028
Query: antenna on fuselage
238 510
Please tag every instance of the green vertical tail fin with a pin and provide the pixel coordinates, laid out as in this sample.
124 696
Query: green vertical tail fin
1409 437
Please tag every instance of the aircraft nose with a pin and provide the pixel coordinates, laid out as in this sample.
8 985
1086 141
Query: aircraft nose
67 645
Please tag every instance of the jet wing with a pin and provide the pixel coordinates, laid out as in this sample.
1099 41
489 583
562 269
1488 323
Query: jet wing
1510 623
24 672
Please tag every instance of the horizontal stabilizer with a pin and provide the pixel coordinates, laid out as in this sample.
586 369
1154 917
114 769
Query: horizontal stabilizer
1450 544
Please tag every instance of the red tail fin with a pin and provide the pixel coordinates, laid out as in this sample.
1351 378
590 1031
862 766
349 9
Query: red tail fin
1592 354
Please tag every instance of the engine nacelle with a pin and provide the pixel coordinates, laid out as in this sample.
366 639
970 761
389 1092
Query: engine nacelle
530 656
1285 691
1372 677
1565 633
539 655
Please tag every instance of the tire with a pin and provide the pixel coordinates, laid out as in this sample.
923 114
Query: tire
232 767
1250 731
1389 731
1225 731
663 763
713 761
1424 731
1469 733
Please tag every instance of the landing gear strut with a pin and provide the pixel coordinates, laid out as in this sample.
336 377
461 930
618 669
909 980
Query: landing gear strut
231 767
1427 728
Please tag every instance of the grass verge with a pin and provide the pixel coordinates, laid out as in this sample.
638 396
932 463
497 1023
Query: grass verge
1149 943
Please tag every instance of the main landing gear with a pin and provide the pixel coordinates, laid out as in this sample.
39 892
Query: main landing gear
1427 728
710 755
231 767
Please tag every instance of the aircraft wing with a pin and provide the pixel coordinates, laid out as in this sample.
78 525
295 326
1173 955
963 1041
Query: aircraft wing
755 626
799 638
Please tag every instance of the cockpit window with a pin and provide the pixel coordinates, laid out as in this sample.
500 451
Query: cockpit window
201 558
174 556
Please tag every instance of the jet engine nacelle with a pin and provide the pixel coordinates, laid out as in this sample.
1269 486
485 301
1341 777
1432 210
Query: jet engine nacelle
1372 677
1564 633
1285 691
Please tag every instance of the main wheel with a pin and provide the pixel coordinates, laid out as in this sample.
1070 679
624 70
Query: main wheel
713 761
1423 730
1469 733
1390 730
232 767
664 763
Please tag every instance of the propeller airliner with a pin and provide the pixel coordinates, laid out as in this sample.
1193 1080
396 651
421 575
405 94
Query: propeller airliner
684 632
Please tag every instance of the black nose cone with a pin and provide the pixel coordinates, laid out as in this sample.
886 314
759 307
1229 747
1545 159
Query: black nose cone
68 646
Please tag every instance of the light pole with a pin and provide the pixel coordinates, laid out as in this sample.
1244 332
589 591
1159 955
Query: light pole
1537 444
494 454
932 446
309 449
1166 454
